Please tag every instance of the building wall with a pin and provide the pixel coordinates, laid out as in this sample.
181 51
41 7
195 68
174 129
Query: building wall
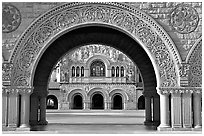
160 11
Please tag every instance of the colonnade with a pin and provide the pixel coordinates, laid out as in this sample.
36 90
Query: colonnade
180 108
107 105
177 111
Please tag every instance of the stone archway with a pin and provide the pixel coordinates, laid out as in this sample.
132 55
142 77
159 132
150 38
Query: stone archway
77 101
52 102
38 43
97 101
117 102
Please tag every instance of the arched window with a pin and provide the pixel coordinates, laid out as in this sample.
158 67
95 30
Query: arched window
117 102
77 71
52 102
117 71
73 71
140 78
113 71
122 71
82 71
77 102
97 68
141 102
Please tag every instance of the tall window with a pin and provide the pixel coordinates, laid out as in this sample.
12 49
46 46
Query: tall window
113 71
73 71
122 71
82 71
97 68
77 71
117 71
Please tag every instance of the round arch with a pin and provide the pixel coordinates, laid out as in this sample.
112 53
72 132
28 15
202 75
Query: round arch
33 44
76 91
117 101
77 101
52 102
97 90
119 91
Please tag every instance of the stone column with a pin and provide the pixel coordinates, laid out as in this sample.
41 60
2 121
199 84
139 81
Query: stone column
156 110
13 108
164 112
197 110
25 106
34 100
187 110
176 109
148 111
43 99
5 106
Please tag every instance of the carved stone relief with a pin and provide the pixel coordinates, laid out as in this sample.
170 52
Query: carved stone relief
184 19
195 75
62 18
11 18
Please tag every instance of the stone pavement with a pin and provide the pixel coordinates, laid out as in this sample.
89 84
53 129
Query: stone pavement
96 122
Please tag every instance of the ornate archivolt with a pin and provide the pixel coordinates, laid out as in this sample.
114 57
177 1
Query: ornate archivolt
64 18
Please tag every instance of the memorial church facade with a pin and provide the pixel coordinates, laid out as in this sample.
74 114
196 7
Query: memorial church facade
96 77
109 56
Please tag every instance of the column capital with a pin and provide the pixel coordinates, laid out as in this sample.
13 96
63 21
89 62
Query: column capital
6 72
5 90
25 90
184 69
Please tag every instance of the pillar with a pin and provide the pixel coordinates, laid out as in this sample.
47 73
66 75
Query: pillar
13 108
148 111
4 107
42 120
176 110
187 110
156 110
164 112
34 104
197 110
25 107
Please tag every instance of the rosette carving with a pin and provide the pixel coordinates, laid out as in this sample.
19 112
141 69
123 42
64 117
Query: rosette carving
184 19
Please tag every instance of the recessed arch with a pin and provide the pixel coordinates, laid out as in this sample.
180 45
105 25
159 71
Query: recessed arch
52 102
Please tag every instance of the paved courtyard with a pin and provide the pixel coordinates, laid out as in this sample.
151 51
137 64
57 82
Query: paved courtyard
95 122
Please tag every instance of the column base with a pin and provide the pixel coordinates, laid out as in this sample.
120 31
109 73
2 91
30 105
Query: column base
148 123
197 128
23 129
164 128
24 126
12 125
42 122
156 123
33 122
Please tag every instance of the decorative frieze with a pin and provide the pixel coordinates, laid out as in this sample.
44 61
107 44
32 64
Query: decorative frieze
180 90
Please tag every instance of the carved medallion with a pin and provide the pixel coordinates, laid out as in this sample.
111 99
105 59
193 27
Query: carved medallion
184 19
11 18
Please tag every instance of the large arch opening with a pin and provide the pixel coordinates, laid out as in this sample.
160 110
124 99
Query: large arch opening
95 35
97 101
141 103
117 102
52 102
77 102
